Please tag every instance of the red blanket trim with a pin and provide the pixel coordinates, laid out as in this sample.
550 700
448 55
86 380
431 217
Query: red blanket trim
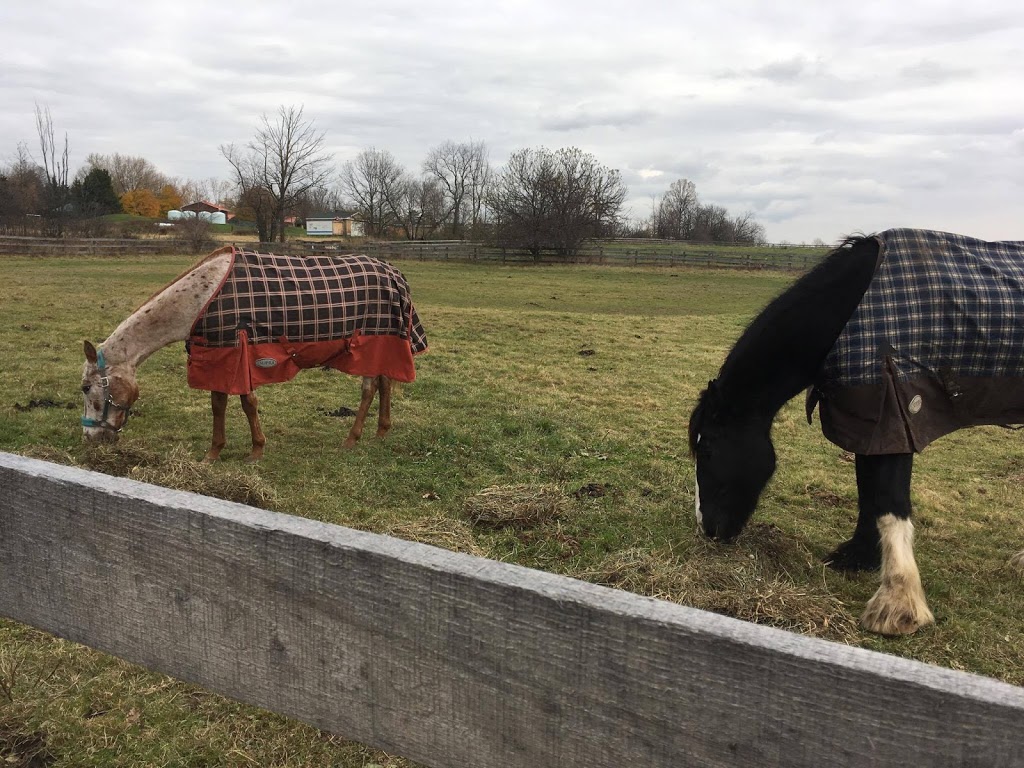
239 370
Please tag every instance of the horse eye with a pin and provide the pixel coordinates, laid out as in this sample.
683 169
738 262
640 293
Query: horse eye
86 388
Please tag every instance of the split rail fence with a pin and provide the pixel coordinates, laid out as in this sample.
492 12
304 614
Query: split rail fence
453 660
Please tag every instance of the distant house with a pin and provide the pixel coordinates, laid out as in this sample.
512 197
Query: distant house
203 206
338 224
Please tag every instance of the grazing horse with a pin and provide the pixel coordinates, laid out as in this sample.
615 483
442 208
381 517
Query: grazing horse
250 319
898 338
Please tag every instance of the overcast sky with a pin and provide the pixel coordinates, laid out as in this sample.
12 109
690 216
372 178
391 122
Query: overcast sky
821 118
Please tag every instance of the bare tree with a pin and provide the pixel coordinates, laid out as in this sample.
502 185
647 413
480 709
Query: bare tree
461 170
677 211
679 215
374 182
285 159
24 186
127 173
416 206
254 200
55 166
555 200
746 229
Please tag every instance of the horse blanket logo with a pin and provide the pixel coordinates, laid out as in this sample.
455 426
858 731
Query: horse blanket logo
276 315
936 344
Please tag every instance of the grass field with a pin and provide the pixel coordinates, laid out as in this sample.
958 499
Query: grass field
547 428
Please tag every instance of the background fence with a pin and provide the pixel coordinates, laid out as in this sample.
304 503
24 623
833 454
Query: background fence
620 252
453 660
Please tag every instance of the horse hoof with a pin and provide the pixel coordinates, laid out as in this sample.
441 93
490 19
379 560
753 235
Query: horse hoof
349 444
252 459
852 556
894 612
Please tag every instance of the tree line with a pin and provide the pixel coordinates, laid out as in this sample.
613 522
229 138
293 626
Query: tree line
541 200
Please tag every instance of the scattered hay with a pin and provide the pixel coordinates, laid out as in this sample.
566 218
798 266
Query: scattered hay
48 453
438 531
517 506
180 471
752 582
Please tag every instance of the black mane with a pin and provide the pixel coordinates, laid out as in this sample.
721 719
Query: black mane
782 349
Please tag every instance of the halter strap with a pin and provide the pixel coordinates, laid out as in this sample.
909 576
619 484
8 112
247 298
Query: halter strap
108 402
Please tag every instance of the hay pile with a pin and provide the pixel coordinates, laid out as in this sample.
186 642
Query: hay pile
752 581
175 469
517 506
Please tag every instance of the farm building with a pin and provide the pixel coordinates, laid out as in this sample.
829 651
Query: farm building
340 223
203 206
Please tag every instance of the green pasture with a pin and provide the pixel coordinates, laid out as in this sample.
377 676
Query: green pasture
547 427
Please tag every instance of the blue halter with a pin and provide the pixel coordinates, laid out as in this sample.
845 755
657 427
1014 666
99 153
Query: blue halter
108 402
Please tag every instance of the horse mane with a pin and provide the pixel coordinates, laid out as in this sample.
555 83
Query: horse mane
208 257
782 349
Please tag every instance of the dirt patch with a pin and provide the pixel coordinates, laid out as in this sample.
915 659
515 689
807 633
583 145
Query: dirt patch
23 747
44 403
592 491
339 413
518 506
826 498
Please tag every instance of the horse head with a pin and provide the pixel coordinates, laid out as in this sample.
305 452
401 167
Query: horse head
734 457
109 390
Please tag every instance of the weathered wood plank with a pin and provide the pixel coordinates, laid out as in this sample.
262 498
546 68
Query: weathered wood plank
458 661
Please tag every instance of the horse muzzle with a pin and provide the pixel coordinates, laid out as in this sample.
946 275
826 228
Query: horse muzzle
98 435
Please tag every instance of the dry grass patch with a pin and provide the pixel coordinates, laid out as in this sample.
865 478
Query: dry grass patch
764 580
21 746
438 531
516 506
175 469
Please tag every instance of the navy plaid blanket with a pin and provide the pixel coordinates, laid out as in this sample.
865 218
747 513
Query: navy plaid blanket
937 302
936 344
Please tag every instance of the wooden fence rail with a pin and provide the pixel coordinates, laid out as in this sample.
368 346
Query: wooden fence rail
453 660
625 253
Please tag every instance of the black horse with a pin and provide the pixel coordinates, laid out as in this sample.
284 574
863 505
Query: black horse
892 366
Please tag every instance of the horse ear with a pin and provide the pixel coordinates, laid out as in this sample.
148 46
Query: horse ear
90 352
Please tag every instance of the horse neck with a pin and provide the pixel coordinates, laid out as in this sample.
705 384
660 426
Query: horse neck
781 352
168 316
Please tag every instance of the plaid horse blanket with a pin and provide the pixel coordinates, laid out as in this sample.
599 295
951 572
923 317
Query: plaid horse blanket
273 316
936 344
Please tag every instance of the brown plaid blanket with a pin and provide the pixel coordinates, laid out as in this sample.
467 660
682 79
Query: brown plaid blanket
936 344
275 315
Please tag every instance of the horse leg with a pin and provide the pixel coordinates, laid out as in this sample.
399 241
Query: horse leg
249 405
369 390
1017 561
899 606
863 551
219 405
383 406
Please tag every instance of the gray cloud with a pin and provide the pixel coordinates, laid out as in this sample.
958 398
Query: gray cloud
820 119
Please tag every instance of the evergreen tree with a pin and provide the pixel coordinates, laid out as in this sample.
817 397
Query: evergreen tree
94 195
